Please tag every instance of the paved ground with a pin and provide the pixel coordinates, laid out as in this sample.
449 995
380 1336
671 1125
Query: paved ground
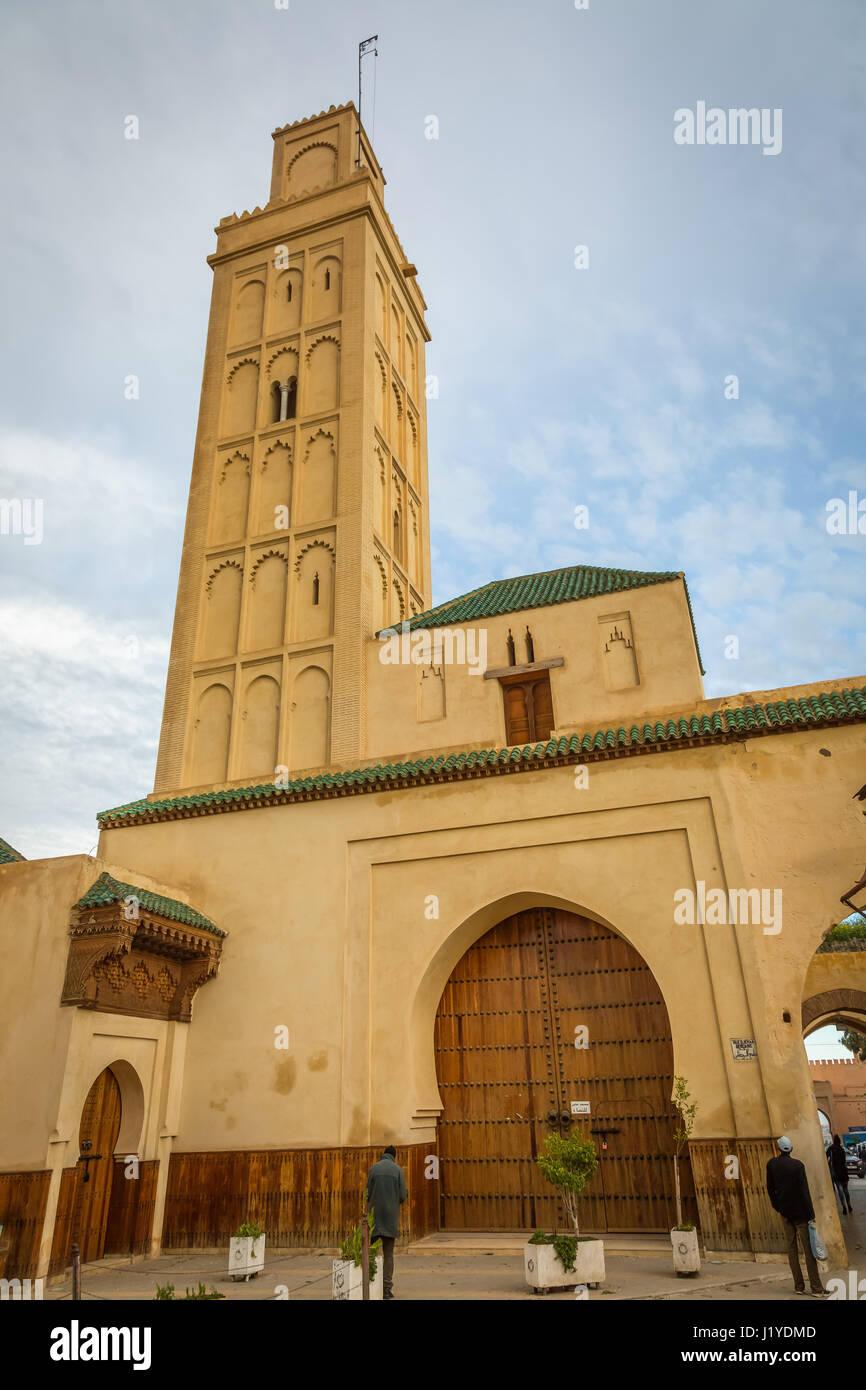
433 1270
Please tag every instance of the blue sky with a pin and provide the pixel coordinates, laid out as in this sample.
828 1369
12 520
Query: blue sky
558 386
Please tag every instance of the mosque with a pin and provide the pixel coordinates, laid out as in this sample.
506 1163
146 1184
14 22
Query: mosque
376 901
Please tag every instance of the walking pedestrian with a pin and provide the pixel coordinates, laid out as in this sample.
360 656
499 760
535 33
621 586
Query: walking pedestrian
788 1190
839 1170
386 1192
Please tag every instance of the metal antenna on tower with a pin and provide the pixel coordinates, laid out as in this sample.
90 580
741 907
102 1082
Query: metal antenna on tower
362 50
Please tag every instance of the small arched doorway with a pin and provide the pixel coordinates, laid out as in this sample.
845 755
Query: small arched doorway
97 1138
552 1021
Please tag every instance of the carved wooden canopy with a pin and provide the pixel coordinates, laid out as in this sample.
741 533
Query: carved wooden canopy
128 957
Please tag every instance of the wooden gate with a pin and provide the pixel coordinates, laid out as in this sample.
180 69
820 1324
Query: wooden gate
100 1126
550 1009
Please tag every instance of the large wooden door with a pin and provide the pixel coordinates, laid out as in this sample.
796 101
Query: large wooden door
100 1127
548 1009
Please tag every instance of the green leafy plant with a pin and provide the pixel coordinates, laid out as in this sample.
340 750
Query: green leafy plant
248 1228
202 1292
165 1291
686 1110
351 1247
565 1246
568 1163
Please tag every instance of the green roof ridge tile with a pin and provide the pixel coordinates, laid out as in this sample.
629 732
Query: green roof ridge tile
739 719
111 890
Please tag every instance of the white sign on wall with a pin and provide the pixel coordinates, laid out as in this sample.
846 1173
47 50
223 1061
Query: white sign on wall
580 1107
743 1049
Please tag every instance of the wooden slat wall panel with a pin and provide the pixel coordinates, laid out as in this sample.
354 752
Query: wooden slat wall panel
22 1212
300 1197
66 1206
130 1209
766 1228
721 1202
735 1213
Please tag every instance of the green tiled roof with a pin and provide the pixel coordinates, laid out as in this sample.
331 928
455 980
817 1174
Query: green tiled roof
720 726
543 590
110 890
8 855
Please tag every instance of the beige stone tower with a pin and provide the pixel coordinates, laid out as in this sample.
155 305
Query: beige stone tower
307 527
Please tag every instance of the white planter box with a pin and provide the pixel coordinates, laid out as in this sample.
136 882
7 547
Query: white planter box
544 1270
246 1256
346 1280
687 1255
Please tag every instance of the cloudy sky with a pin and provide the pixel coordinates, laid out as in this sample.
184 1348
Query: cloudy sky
560 386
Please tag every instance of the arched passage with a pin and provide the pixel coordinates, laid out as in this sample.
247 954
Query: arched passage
552 1021
844 1007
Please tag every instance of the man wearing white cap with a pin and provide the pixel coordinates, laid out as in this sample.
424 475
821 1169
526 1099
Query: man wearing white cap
788 1190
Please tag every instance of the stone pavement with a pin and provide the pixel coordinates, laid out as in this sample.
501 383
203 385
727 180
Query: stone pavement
468 1267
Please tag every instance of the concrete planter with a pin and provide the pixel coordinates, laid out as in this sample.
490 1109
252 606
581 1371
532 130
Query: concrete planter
246 1256
544 1270
687 1255
346 1280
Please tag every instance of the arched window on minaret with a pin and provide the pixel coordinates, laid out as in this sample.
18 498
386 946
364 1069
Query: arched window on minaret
530 647
285 398
512 655
398 534
289 291
327 279
316 589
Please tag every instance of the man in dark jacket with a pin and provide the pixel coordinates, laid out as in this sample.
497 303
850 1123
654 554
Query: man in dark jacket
386 1192
788 1190
839 1172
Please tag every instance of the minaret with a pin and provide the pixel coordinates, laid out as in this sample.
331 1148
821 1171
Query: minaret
307 527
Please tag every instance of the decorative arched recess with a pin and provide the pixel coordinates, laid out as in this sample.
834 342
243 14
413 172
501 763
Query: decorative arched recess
382 393
397 418
260 727
382 589
396 338
381 311
313 601
381 512
326 288
315 166
286 301
241 394
399 601
248 313
231 499
211 734
267 623
222 610
310 718
275 489
846 1007
322 361
318 478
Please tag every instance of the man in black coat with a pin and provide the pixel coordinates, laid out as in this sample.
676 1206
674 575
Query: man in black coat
386 1192
839 1171
788 1190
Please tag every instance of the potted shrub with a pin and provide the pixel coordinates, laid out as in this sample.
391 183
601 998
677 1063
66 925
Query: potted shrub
247 1251
562 1261
684 1236
346 1274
